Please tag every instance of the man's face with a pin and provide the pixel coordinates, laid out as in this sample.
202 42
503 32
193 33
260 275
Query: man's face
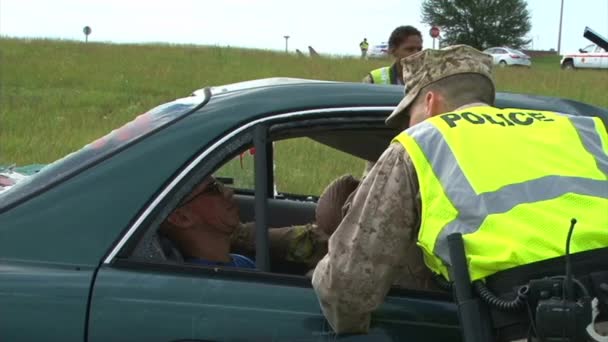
408 46
211 206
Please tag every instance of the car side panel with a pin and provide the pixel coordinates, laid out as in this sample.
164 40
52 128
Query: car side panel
156 306
589 60
43 302
603 58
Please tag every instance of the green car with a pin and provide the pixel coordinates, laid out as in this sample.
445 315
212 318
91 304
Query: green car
81 260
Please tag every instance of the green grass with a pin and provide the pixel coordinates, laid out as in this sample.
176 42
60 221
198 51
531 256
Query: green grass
57 96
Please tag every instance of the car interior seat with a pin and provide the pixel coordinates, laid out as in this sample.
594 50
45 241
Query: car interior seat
155 247
169 249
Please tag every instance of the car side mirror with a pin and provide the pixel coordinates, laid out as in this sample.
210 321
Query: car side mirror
582 51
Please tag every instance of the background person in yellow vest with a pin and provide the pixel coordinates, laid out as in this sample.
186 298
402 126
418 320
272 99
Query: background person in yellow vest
510 179
404 41
364 45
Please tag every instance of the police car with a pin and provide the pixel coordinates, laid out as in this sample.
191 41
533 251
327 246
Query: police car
594 56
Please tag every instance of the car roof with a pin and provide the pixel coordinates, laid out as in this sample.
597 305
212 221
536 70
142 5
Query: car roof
259 83
283 94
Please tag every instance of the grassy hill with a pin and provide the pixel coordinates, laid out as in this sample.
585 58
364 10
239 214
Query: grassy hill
56 96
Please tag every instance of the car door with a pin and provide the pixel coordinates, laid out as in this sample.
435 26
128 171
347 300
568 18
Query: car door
502 55
141 294
586 58
592 60
601 57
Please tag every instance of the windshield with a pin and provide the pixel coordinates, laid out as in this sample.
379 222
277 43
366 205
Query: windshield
99 149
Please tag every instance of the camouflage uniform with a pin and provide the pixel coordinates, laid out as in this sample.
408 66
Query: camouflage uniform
368 79
305 244
375 244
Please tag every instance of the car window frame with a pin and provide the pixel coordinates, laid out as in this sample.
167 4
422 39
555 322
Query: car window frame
261 135
175 188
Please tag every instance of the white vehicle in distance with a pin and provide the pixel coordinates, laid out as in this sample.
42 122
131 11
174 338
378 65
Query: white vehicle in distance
378 51
504 56
594 56
591 57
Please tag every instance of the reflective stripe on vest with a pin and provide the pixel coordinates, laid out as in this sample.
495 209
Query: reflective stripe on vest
381 75
510 180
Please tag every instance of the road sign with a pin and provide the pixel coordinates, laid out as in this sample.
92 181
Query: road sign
434 31
87 31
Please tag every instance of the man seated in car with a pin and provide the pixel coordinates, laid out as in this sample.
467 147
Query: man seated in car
206 228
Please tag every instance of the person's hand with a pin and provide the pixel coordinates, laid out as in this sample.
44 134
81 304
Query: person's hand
310 273
329 207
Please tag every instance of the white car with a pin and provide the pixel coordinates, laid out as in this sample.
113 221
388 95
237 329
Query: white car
378 51
592 57
504 56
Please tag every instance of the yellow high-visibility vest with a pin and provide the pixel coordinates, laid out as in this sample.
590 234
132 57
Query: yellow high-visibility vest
509 180
382 75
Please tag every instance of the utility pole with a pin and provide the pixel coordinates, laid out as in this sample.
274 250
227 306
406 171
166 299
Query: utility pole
559 39
286 38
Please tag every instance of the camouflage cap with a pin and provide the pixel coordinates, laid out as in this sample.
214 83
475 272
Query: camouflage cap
428 66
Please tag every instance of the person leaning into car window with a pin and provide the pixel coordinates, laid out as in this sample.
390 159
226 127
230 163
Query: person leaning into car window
509 180
206 228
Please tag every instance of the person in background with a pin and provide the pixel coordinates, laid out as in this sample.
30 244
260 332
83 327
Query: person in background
364 45
404 41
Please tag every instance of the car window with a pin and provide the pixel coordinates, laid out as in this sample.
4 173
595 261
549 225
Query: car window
501 51
589 48
238 172
304 163
304 166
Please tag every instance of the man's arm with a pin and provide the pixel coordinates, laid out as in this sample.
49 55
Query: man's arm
372 246
368 79
304 244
